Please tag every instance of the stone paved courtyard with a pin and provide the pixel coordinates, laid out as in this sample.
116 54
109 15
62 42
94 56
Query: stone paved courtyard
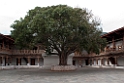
82 75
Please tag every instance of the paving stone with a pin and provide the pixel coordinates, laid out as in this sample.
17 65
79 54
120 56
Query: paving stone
82 75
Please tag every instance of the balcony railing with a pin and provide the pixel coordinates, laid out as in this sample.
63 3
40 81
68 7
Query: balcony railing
6 51
27 52
117 49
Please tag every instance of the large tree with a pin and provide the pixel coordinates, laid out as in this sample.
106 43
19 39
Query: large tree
60 29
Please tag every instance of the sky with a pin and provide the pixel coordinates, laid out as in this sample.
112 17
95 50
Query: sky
110 12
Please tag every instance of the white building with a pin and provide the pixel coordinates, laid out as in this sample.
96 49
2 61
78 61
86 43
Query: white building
112 56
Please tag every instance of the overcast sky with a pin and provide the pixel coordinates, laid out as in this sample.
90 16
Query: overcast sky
111 12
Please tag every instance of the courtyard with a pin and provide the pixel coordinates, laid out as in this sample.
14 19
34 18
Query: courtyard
82 75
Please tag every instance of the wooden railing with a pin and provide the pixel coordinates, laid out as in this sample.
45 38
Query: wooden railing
117 49
6 51
27 52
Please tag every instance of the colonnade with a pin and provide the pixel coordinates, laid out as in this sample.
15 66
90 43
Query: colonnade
104 62
16 61
97 61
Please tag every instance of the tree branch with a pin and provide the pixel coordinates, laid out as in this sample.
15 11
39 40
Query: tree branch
55 46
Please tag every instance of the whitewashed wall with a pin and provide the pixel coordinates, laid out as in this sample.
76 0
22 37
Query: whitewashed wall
52 60
23 62
13 62
120 61
83 63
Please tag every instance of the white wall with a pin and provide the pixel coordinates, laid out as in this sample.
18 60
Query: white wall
52 60
83 63
13 61
23 62
40 61
120 61
49 61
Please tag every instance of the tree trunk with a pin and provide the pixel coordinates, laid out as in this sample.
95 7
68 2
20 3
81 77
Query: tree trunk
63 59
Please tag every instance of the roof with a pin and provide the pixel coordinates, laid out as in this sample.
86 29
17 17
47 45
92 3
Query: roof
6 36
116 34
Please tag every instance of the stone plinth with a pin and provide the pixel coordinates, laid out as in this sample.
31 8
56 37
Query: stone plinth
63 68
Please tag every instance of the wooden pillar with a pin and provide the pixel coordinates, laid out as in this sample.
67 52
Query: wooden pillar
92 62
88 62
19 62
97 61
115 61
100 61
103 61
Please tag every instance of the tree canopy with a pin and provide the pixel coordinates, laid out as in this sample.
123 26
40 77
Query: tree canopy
60 28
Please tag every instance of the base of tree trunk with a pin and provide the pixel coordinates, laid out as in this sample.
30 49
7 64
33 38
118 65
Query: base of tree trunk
63 68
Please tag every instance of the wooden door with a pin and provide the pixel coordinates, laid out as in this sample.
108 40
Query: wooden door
18 61
32 61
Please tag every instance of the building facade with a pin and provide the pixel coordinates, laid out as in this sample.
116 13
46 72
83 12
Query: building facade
112 56
13 58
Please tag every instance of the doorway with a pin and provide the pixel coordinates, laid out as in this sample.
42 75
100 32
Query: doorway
86 62
18 61
32 61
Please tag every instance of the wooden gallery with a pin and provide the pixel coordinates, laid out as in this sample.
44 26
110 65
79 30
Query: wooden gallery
112 56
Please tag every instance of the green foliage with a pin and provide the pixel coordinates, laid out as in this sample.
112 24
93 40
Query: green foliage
61 28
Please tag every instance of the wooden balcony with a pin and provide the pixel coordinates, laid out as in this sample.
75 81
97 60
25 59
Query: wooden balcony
27 52
5 51
116 50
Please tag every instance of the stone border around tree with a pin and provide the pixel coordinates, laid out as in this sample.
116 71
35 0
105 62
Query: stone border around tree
63 68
